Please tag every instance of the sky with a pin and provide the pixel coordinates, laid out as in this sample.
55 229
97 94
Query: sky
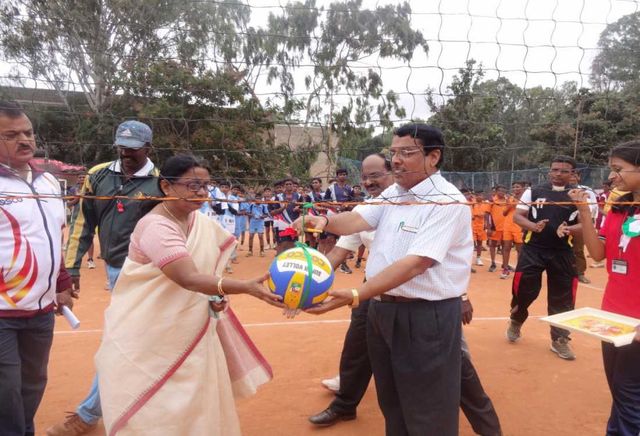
531 42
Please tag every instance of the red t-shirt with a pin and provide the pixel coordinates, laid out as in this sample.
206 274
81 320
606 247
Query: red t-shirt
622 294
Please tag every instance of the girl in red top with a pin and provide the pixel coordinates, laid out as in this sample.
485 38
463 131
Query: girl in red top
619 244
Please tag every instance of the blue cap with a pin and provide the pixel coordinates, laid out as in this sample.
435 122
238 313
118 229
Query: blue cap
133 134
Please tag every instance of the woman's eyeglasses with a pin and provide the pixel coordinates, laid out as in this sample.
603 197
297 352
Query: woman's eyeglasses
193 186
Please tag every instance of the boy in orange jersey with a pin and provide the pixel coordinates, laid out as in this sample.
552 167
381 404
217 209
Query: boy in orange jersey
480 213
468 195
512 233
497 211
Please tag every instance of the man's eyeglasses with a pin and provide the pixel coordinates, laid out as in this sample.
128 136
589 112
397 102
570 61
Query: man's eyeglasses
372 176
193 186
402 153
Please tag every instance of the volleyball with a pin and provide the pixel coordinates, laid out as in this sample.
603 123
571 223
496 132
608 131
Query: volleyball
288 277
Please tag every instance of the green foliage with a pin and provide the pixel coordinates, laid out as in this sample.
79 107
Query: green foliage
495 125
618 62
94 43
333 40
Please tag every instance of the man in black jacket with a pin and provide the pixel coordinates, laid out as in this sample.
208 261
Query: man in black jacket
133 176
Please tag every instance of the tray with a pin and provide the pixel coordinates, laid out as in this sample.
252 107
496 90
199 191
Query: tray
606 326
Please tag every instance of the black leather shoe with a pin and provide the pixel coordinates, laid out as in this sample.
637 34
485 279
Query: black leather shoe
329 417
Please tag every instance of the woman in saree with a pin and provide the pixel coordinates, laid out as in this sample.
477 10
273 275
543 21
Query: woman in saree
161 364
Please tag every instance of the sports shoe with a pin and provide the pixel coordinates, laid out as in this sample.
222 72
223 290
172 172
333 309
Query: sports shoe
510 268
228 269
597 264
561 347
493 267
91 264
513 331
261 253
583 279
358 263
479 262
73 425
345 268
249 253
333 384
505 273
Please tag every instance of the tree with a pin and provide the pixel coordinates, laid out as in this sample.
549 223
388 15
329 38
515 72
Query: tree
618 61
339 93
469 119
94 43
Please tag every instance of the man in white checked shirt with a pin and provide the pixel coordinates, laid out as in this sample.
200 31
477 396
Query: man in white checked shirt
419 266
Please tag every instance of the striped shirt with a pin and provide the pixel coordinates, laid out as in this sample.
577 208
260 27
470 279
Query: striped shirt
439 232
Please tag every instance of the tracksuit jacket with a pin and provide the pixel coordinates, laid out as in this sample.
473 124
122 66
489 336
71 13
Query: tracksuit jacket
114 218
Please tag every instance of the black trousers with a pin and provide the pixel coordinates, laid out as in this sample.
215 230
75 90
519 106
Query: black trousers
414 349
24 355
474 401
355 374
622 368
355 367
562 283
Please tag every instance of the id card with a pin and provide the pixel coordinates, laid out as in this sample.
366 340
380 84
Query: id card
619 266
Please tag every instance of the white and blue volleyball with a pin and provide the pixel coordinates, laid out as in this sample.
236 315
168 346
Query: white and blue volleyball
290 279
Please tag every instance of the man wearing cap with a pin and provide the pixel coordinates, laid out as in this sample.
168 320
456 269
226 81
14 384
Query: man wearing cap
418 268
131 176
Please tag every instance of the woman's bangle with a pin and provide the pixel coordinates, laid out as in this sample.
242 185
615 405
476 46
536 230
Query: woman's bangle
356 298
326 220
220 291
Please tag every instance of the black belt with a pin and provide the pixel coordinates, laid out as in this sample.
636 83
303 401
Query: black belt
397 299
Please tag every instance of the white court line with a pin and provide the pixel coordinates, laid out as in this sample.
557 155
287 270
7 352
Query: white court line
290 323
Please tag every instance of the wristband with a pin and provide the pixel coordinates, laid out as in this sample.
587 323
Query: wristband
220 291
356 298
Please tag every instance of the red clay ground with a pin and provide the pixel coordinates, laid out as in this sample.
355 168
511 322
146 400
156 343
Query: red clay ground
534 392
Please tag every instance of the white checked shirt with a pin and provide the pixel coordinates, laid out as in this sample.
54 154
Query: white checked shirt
439 232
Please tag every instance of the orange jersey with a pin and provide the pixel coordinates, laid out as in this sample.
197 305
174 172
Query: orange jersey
509 225
478 211
497 210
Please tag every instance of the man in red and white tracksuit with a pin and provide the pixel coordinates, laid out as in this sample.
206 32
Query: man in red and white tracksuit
33 284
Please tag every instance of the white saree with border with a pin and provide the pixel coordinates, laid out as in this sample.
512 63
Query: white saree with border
161 365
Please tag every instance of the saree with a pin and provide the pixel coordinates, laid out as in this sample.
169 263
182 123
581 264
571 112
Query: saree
161 365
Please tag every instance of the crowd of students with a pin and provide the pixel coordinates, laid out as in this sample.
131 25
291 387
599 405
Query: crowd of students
265 213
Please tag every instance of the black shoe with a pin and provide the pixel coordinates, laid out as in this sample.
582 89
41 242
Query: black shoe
329 417
345 269
493 267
